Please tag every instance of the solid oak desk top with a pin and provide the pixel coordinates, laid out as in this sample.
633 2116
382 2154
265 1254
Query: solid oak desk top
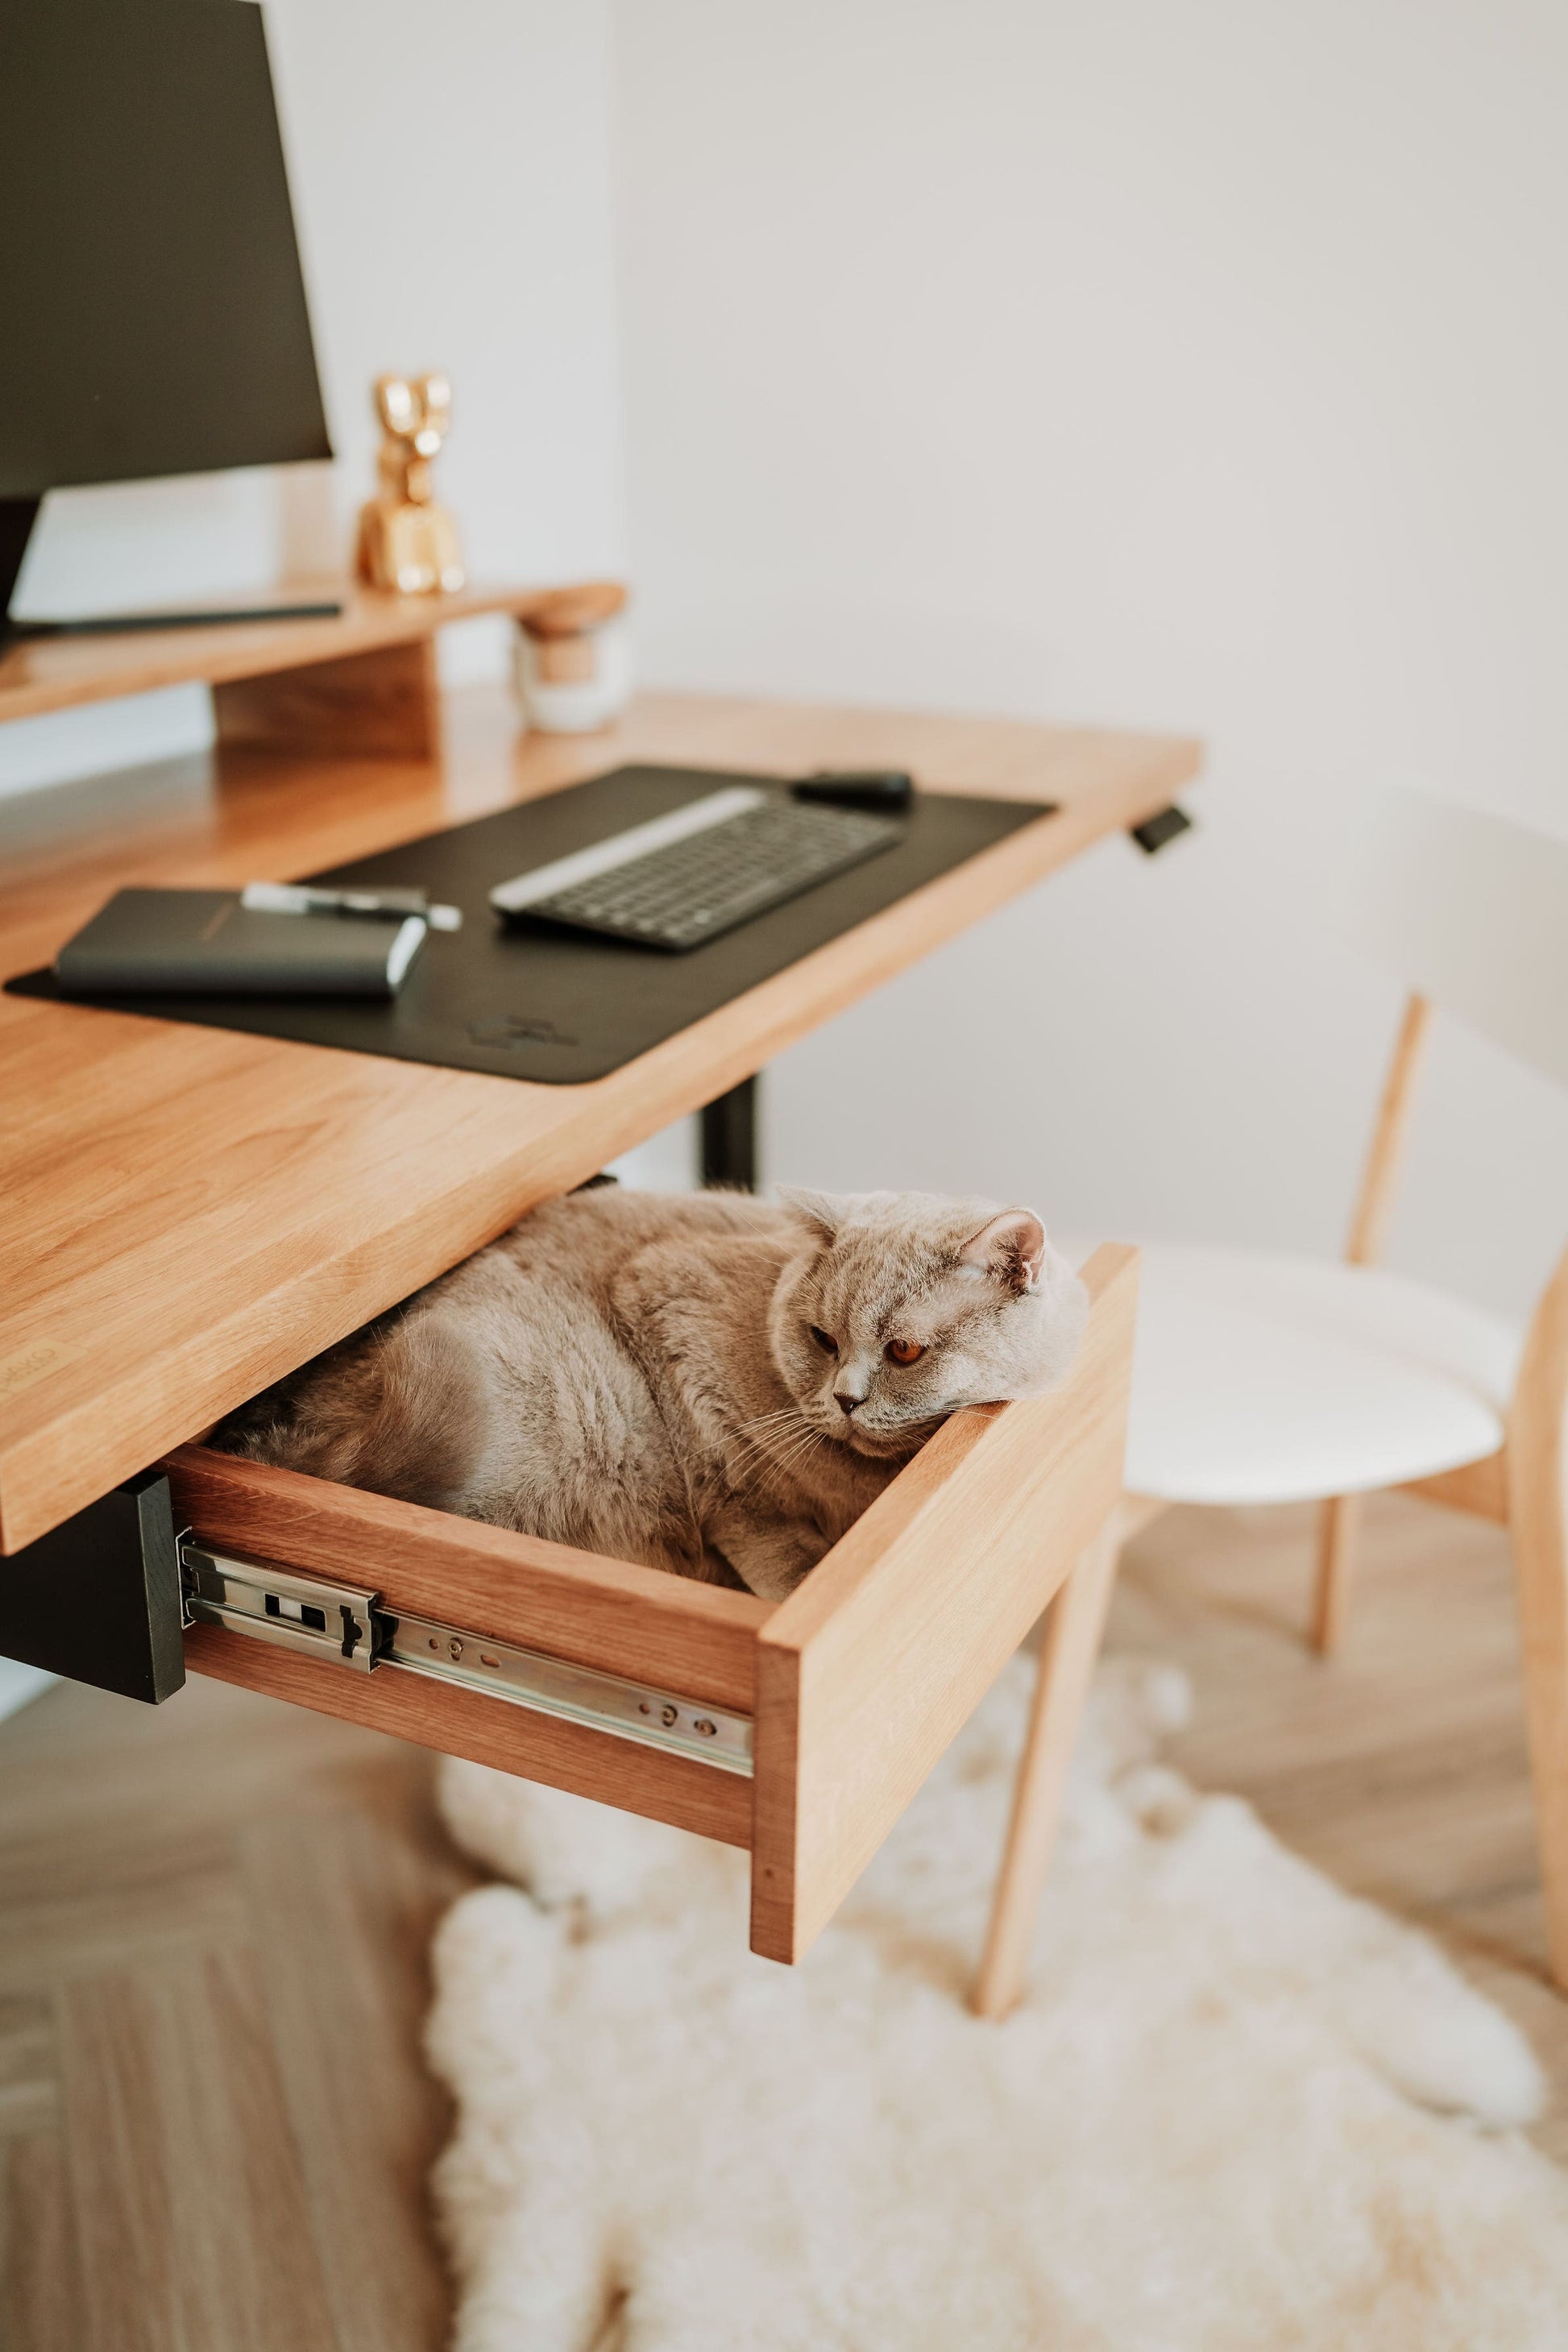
187 1214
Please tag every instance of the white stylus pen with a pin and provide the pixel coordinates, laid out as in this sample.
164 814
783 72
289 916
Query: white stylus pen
386 905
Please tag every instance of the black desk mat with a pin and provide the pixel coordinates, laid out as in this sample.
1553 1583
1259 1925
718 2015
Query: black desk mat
558 1005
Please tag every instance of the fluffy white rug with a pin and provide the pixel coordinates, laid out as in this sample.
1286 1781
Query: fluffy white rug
1237 2109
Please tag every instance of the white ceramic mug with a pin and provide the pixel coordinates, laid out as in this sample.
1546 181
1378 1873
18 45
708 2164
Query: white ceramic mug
569 685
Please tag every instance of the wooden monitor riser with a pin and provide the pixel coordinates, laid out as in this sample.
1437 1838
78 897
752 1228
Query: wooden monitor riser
359 684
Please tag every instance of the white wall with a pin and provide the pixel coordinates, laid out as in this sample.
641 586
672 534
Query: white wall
1202 367
451 188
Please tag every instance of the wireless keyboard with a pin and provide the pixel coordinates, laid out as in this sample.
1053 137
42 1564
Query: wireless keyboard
685 878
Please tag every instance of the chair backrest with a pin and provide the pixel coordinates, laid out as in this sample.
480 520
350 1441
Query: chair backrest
1471 911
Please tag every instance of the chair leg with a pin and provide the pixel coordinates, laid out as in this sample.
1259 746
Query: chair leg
1537 1460
1068 1649
1338 1536
1540 1562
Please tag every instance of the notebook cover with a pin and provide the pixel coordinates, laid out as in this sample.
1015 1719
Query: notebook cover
205 943
563 1007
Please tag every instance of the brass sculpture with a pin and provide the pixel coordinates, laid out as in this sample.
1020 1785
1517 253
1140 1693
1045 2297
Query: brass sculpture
407 542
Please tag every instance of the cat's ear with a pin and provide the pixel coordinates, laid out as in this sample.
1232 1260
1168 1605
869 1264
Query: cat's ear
821 1211
1012 1247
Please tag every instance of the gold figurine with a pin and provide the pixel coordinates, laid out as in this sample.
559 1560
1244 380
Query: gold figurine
407 541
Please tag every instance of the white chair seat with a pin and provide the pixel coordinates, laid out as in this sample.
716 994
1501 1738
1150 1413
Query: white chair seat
1268 1379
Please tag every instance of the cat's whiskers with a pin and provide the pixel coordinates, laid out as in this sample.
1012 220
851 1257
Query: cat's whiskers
763 1422
794 1454
769 1452
777 1443
764 1419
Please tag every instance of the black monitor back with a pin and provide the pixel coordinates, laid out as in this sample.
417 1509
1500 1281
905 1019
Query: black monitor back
154 318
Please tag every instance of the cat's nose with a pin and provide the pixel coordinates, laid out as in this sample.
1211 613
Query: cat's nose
847 1403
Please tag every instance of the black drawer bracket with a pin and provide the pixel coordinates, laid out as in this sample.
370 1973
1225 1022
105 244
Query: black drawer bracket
97 1599
1157 830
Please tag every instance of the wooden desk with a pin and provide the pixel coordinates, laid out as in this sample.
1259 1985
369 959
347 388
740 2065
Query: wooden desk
189 1214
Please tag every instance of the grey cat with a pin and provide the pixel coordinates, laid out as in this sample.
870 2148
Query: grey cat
708 1383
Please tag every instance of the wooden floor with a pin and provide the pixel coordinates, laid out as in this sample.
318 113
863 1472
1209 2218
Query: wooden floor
215 2129
213 1927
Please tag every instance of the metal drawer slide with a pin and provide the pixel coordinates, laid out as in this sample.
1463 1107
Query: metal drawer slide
351 1625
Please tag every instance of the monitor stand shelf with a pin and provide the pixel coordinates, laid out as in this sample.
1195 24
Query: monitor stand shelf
359 684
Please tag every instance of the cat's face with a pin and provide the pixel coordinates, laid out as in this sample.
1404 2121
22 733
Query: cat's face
901 1306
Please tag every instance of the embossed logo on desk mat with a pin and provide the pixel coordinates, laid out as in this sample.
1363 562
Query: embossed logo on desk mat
561 1007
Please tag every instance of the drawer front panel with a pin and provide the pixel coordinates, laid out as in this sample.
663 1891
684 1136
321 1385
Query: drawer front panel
866 1673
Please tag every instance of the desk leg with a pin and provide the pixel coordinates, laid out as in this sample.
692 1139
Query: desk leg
730 1138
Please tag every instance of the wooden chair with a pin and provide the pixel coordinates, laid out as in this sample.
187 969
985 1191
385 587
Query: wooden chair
1262 1379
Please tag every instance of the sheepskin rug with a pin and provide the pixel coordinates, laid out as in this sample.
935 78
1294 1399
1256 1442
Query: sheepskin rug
1237 2109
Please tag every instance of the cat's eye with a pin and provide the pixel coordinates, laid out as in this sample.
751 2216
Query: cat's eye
903 1351
825 1340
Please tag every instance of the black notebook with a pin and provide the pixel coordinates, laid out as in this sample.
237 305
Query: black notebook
205 943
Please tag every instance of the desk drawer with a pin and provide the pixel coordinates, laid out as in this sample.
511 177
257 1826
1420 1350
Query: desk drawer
799 1731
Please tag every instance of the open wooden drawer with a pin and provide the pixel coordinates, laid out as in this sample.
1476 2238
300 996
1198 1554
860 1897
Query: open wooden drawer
799 1729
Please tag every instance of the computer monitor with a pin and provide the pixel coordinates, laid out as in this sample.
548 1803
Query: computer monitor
154 315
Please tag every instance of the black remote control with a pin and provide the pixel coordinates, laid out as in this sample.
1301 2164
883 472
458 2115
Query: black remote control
887 790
